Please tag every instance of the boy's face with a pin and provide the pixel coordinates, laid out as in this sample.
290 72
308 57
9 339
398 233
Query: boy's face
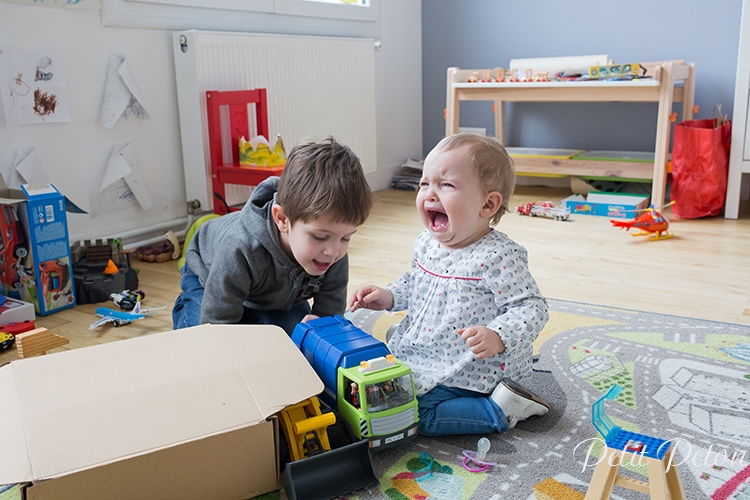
451 200
315 245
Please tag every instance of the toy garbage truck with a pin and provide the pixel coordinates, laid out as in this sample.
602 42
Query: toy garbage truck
366 385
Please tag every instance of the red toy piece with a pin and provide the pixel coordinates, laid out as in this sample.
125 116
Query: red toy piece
633 445
650 222
18 327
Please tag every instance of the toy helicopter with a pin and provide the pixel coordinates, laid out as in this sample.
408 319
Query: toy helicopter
651 222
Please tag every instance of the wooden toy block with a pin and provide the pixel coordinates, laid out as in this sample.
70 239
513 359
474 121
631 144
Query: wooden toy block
38 342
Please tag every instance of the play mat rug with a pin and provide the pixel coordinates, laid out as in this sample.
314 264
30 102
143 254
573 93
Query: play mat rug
682 378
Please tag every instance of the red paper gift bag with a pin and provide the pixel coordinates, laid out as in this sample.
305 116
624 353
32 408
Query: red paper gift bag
700 160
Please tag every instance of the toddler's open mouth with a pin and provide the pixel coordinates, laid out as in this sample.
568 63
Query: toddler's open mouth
438 220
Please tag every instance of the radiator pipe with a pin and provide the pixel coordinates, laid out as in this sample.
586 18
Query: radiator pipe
162 226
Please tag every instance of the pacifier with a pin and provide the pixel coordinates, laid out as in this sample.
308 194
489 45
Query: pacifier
478 457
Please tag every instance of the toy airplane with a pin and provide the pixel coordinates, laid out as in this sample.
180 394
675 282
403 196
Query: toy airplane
119 318
651 222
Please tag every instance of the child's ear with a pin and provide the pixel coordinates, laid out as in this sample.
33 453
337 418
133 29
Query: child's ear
280 218
491 204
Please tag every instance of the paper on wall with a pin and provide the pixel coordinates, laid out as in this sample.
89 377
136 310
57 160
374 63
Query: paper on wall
28 164
32 85
123 184
27 161
122 95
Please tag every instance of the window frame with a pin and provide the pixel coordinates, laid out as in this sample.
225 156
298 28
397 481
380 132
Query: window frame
156 13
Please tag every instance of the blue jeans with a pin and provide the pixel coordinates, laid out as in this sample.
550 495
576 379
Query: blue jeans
187 308
449 410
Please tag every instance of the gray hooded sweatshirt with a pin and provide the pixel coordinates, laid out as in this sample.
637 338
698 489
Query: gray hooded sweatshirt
240 262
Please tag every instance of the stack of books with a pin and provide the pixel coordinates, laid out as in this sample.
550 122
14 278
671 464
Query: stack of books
408 174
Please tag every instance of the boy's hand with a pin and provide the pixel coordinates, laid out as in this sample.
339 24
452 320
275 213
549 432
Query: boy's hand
371 297
482 341
309 317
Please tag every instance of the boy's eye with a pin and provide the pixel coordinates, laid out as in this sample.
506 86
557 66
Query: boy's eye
319 238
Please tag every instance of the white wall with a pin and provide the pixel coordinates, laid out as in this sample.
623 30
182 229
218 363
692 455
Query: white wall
75 154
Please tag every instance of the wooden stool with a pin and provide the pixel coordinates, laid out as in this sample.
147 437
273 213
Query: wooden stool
663 480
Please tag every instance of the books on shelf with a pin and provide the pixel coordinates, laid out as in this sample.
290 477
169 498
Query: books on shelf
408 174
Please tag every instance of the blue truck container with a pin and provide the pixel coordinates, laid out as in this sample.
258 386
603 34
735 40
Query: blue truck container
363 382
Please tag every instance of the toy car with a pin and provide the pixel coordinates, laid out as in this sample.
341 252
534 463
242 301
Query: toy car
12 245
555 211
6 341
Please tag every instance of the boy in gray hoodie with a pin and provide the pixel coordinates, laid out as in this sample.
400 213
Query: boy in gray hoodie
288 244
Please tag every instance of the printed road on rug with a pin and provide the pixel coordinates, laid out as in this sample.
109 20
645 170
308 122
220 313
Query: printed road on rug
682 378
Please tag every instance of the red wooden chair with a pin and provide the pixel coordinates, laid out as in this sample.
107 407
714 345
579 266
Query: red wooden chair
234 173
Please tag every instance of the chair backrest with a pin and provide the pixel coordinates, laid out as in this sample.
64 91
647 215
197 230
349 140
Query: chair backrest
238 101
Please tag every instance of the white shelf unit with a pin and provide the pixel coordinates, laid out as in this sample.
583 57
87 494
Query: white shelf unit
738 185
674 81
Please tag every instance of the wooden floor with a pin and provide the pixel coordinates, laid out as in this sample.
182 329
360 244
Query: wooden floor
703 271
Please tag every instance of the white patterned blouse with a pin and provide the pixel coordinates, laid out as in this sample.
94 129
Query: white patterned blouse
487 283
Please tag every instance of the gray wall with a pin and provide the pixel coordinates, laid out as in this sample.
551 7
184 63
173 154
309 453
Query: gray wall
479 34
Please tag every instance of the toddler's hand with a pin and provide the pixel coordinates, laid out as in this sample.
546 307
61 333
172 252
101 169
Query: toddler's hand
484 343
309 317
371 297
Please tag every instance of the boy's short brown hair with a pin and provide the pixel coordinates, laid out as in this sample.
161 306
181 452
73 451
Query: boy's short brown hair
324 178
492 163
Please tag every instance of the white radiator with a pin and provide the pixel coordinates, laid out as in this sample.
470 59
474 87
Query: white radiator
317 86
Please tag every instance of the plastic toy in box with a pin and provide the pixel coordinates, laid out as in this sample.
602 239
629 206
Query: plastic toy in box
35 253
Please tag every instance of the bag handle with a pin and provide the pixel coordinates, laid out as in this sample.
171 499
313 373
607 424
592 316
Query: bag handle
719 119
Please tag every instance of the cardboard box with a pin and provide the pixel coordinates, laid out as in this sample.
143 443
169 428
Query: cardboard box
618 205
35 261
184 414
12 310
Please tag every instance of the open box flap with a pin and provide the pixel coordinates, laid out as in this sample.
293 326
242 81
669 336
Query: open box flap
13 455
9 196
87 407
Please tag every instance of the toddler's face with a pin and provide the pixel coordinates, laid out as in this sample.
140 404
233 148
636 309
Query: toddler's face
316 245
450 200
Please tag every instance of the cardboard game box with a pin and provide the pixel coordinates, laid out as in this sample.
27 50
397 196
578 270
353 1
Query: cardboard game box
618 205
35 252
186 414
